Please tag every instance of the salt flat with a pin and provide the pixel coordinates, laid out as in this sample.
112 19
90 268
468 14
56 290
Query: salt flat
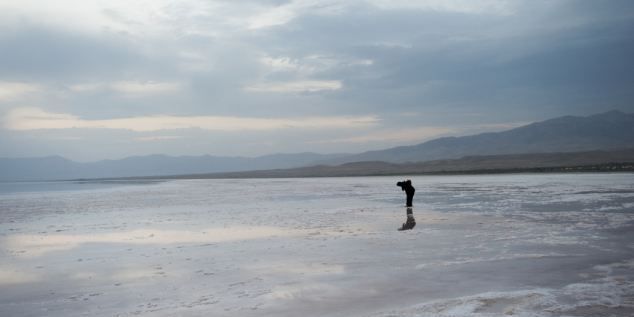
526 245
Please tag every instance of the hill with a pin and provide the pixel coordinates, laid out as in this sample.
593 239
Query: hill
606 131
594 161
58 168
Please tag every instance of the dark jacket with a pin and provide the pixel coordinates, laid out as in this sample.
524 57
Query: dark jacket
409 191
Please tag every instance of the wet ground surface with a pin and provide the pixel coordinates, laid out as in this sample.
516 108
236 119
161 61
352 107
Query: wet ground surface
526 245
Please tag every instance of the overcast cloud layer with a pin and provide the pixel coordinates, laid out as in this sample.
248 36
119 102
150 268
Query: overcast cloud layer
90 79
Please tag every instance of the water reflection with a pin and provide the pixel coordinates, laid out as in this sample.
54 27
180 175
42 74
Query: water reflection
11 275
33 245
70 185
410 222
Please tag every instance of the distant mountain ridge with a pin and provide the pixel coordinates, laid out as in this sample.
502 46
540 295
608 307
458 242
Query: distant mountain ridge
592 161
59 168
606 131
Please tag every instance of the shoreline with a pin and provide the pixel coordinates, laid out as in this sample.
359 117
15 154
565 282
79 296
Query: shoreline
616 168
288 173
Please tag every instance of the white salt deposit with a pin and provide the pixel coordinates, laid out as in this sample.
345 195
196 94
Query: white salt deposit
522 245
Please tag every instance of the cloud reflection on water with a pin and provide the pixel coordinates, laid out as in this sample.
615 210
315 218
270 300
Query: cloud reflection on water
33 245
13 276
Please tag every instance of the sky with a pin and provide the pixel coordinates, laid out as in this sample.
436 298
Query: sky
91 80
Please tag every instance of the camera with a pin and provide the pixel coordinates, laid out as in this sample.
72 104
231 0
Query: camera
404 184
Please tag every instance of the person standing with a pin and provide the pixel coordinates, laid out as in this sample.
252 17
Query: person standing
409 190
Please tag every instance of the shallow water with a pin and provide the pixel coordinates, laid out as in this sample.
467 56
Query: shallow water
46 186
526 245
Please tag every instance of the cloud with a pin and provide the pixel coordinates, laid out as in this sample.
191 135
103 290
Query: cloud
311 64
24 119
10 91
275 16
281 64
296 86
494 7
158 138
511 61
498 126
130 87
401 136
282 14
133 17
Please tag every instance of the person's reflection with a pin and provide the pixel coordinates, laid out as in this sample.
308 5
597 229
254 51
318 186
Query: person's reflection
410 222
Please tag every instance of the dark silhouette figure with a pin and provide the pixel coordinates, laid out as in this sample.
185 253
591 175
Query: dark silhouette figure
410 222
409 191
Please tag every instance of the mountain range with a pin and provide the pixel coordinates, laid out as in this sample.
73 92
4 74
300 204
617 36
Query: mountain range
608 131
591 161
605 131
59 168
